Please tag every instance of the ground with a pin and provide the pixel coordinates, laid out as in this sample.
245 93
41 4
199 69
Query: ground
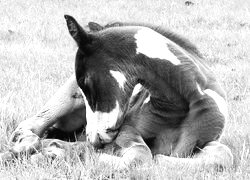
37 56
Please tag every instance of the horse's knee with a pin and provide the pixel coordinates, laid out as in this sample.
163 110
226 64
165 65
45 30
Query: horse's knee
216 154
130 149
138 155
129 158
24 141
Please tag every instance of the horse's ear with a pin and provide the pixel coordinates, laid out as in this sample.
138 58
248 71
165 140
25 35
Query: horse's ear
76 31
95 26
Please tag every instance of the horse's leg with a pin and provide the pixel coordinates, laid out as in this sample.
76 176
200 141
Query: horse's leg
55 148
204 123
214 154
202 128
65 109
130 149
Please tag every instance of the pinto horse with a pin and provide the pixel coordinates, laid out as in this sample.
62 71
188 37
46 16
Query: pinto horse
141 89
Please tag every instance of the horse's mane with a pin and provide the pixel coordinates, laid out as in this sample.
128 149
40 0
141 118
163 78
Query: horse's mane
181 41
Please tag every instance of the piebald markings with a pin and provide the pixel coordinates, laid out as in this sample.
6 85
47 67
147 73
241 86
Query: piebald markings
154 45
119 77
136 89
147 100
98 122
220 101
199 89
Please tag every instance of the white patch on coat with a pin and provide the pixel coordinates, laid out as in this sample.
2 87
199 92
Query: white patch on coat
220 101
199 89
119 77
136 89
146 100
98 122
154 45
91 127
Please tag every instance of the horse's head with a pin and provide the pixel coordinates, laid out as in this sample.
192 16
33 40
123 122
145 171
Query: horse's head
101 77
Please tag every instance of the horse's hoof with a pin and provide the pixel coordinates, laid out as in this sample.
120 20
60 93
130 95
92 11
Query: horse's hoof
27 142
6 157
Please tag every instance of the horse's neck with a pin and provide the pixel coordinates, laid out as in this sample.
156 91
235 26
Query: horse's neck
153 82
161 93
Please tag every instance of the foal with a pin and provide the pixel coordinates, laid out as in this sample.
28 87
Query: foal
142 90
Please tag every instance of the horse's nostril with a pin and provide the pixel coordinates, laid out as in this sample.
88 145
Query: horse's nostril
111 132
100 138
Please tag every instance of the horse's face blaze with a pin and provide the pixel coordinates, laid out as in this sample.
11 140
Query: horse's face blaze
102 94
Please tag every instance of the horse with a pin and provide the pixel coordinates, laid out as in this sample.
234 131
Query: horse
141 89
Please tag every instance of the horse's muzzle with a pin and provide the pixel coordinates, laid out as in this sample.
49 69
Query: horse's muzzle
99 139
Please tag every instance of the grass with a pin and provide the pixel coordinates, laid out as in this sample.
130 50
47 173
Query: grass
37 56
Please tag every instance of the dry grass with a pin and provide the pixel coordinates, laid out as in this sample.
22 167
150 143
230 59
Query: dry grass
37 56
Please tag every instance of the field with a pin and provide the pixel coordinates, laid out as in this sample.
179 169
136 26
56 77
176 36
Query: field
37 56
